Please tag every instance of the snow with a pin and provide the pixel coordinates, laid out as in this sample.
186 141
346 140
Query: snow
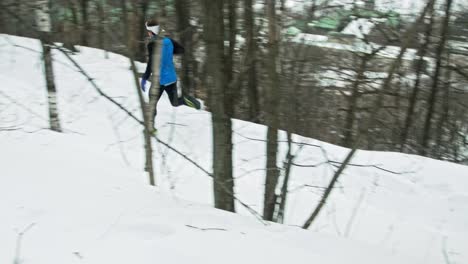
360 46
359 28
309 38
87 198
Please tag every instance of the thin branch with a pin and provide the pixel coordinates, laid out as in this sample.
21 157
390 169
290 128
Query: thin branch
91 80
207 228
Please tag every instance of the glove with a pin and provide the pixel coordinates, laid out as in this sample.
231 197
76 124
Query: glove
143 84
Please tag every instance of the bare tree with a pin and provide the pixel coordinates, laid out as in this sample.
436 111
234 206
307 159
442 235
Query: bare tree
427 132
185 31
280 213
44 26
85 23
154 89
423 50
252 83
101 7
148 126
141 12
272 172
376 107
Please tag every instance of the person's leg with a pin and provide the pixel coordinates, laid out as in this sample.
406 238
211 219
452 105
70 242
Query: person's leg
171 91
187 100
191 101
161 91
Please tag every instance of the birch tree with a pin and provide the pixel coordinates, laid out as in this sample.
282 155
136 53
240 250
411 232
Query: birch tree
44 26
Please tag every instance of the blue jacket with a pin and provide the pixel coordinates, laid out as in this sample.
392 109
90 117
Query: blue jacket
167 72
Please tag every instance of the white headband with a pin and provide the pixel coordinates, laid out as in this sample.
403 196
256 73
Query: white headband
154 29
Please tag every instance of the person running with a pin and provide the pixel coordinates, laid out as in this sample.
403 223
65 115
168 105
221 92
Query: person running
167 71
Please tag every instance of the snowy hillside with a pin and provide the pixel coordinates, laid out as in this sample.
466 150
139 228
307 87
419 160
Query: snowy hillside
85 207
86 196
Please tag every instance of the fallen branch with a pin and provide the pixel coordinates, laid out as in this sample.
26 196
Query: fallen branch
206 229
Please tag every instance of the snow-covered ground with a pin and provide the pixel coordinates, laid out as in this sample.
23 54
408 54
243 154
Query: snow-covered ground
83 196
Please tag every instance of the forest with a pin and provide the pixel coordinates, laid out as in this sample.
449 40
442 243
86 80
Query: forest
356 76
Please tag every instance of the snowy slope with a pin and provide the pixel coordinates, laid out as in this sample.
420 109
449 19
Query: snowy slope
85 207
86 192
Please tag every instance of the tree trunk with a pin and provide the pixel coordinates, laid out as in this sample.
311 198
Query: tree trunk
85 29
414 94
71 39
140 48
154 89
232 91
148 110
125 22
102 22
162 6
186 37
252 90
147 131
352 103
223 182
231 7
272 172
3 27
44 27
445 116
284 189
425 148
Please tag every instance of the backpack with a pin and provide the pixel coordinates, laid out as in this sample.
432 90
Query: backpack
178 49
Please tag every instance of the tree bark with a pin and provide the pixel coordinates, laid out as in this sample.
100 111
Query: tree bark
284 189
443 124
123 6
102 23
425 148
352 103
44 26
71 28
252 90
416 88
154 89
272 172
148 128
142 10
223 182
186 37
85 29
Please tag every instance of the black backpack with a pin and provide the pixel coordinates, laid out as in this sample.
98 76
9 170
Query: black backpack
178 49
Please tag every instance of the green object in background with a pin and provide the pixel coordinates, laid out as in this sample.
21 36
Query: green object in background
337 20
393 19
293 31
327 23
